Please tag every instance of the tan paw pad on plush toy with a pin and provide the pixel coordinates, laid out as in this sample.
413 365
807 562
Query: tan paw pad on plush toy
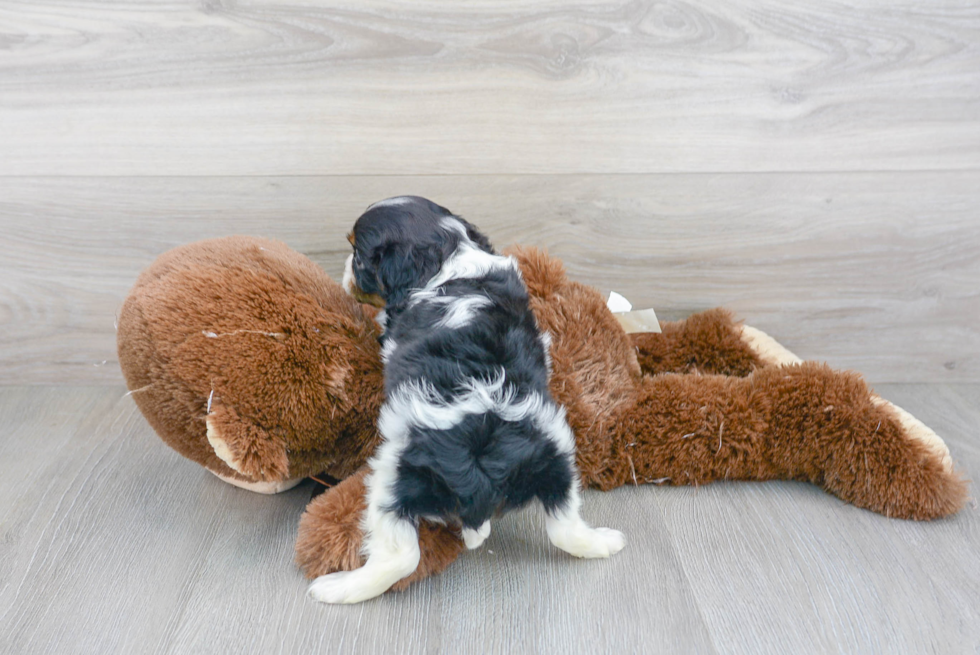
774 353
246 358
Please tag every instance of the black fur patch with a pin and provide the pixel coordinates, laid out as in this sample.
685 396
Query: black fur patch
484 463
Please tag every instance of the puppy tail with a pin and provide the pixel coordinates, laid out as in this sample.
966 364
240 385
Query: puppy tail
478 494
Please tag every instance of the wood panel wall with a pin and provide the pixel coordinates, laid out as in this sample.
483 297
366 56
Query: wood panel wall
814 166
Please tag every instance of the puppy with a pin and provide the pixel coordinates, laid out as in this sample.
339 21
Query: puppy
469 428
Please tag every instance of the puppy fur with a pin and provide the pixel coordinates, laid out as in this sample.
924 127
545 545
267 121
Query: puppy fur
468 426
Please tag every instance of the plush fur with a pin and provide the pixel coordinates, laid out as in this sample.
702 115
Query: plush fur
251 339
703 401
333 525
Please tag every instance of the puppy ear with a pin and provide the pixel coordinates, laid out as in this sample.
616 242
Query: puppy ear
402 268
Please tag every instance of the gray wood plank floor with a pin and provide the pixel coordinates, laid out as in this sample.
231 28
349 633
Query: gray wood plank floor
111 543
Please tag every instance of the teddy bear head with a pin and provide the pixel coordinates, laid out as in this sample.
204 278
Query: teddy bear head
247 358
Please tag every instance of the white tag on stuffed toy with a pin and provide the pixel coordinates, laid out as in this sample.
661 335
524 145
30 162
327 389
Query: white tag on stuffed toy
641 320
618 304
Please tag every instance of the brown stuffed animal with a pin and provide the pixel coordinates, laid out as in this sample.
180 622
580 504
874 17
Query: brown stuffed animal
245 357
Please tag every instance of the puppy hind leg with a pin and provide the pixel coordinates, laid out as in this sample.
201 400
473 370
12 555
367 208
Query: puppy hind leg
570 533
392 547
475 538
391 541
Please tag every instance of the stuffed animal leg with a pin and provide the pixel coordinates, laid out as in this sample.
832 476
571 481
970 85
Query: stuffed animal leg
793 422
876 441
706 400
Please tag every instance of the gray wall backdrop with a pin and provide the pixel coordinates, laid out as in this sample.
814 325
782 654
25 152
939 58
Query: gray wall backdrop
812 166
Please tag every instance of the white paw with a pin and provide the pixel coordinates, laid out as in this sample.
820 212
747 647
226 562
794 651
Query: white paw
583 541
334 588
615 540
475 538
345 587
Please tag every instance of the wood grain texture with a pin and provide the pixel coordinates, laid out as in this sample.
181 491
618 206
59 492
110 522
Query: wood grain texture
133 549
876 272
270 87
110 542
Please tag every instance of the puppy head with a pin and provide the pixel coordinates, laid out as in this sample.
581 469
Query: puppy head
400 244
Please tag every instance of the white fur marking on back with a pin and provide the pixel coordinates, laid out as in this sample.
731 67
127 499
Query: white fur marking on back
451 223
545 338
417 403
461 310
468 261
388 350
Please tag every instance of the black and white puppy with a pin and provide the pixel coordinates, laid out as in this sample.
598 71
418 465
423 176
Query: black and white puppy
468 425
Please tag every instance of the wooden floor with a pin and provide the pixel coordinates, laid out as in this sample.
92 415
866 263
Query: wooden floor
813 165
112 543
